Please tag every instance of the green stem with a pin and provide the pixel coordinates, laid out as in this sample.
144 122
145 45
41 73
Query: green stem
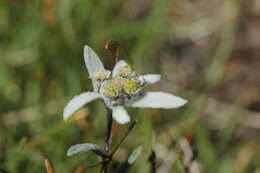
123 138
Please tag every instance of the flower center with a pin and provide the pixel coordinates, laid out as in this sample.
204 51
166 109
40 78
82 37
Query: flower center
110 90
101 75
126 71
120 86
131 87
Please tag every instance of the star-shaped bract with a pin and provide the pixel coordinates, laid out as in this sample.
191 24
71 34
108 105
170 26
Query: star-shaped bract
122 88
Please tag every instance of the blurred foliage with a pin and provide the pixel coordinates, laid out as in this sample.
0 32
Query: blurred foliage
207 52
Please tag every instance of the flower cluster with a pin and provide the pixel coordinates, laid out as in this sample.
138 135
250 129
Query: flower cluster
119 88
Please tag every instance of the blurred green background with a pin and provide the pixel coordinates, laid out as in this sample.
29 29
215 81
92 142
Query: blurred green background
207 52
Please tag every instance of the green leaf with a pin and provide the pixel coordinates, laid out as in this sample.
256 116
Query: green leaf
78 148
206 149
134 155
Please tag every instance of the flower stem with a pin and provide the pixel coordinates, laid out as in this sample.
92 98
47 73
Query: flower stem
108 139
106 160
152 160
123 138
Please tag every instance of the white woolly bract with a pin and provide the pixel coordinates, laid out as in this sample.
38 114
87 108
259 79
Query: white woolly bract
77 102
75 149
120 115
117 67
159 100
151 78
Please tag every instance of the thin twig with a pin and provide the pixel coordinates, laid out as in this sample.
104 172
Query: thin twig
152 160
123 138
113 46
108 139
108 159
83 168
127 53
189 135
117 55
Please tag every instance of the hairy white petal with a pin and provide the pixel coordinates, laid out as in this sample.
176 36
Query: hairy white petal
151 78
93 64
92 61
120 115
159 100
117 67
75 149
77 102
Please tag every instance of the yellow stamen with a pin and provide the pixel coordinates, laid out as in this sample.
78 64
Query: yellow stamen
131 87
111 91
101 75
126 71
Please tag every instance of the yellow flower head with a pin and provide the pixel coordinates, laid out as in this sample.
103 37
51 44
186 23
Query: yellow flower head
100 75
110 90
118 81
126 71
131 87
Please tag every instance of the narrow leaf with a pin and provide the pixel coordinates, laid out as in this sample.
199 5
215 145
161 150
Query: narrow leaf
134 155
75 149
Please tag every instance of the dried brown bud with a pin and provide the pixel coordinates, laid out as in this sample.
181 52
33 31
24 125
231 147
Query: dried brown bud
48 166
112 45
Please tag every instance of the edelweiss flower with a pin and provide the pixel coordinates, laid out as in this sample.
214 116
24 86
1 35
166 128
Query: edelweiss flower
121 88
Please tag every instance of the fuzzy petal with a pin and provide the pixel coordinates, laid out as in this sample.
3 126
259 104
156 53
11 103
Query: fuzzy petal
92 61
120 115
118 66
159 100
151 78
77 102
